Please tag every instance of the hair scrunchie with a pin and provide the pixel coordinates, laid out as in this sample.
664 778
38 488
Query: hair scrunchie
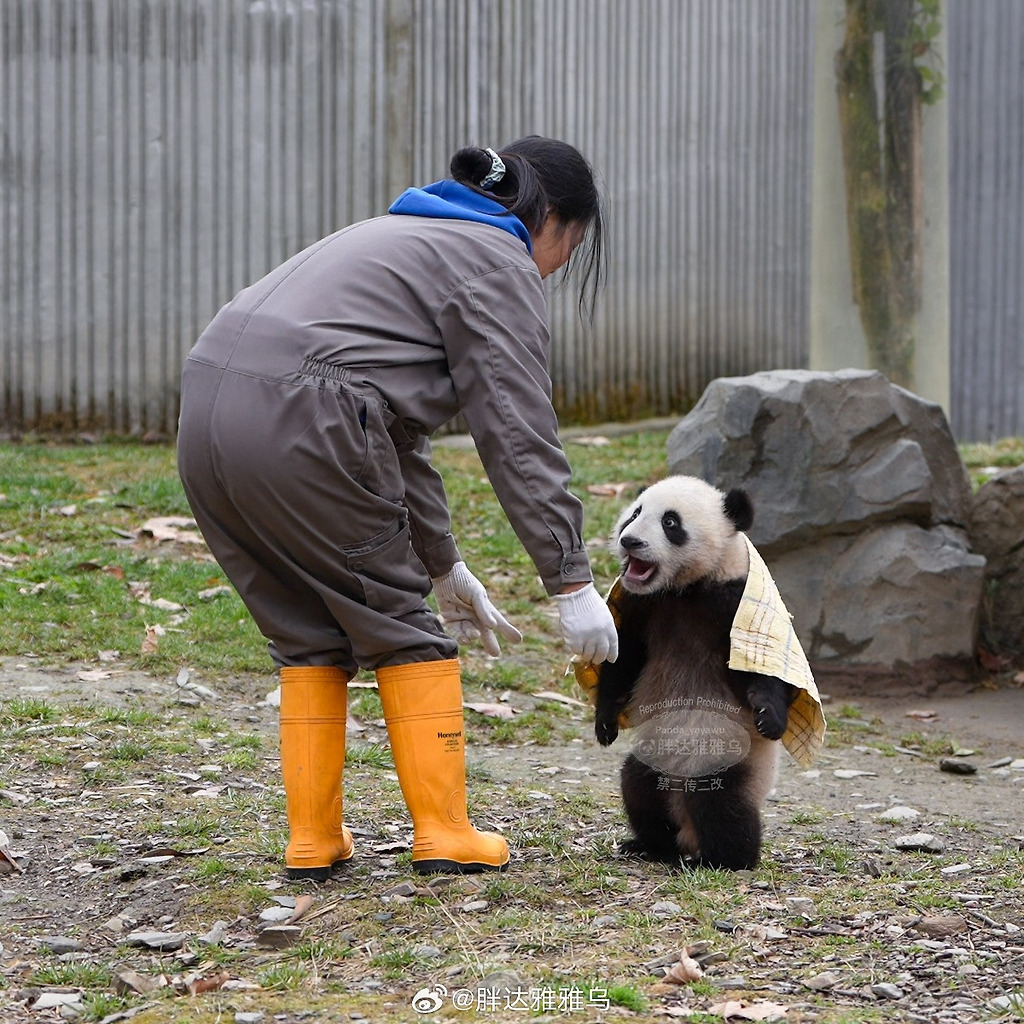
497 171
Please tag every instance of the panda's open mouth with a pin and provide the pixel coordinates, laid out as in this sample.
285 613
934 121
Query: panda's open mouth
639 571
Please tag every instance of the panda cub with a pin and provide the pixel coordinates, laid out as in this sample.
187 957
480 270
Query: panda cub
705 748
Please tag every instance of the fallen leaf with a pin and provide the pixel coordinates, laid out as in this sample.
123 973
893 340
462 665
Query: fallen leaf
607 490
561 698
149 645
734 1009
171 528
492 710
92 675
210 984
993 662
685 970
6 857
302 905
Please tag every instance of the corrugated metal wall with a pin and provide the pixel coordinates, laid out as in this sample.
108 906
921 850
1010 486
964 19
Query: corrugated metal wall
157 155
986 93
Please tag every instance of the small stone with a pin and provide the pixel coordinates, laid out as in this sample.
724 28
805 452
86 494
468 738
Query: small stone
402 889
955 767
851 773
937 927
666 908
730 983
1001 762
922 841
956 869
822 982
886 991
473 906
58 1000
248 1018
61 944
425 952
216 935
276 915
500 982
605 921
127 981
801 905
279 936
157 940
899 814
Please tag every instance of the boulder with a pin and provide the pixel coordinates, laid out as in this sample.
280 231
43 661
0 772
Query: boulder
997 532
861 509
824 453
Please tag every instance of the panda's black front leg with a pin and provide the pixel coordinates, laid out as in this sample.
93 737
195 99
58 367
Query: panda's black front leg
769 698
617 678
613 692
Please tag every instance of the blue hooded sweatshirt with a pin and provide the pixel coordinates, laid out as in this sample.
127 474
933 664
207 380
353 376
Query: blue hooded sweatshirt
449 200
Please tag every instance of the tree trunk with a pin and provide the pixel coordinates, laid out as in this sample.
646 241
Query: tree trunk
881 140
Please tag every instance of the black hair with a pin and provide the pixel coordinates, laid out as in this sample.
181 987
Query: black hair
544 174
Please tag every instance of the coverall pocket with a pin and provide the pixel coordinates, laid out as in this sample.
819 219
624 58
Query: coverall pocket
380 473
392 577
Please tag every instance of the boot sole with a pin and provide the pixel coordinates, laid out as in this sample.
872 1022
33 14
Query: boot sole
454 867
314 874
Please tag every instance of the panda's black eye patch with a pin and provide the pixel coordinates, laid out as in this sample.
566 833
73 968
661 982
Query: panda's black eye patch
672 524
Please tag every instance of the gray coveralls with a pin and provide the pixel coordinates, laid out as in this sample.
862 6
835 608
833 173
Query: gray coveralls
307 406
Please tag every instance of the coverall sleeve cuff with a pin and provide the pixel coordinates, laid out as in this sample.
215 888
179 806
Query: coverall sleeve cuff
573 567
439 558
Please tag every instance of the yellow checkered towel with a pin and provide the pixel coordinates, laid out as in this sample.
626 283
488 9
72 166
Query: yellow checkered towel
762 640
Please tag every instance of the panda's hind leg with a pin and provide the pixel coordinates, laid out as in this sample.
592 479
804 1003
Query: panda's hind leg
726 821
649 813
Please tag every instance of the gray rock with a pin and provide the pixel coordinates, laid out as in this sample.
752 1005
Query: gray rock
666 908
824 453
926 581
997 532
279 936
862 505
157 940
823 982
899 814
60 944
921 841
886 991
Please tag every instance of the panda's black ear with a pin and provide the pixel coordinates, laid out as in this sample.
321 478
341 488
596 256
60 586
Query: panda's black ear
739 509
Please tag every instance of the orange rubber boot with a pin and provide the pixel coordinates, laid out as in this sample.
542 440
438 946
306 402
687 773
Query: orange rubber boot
423 710
313 709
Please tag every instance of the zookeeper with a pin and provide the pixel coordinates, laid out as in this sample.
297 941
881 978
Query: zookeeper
306 410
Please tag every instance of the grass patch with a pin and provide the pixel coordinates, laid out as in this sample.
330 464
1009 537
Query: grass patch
203 779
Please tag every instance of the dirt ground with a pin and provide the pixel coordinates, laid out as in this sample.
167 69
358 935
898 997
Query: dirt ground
884 753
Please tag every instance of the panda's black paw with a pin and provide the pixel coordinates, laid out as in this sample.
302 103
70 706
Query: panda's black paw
606 729
633 848
770 724
770 700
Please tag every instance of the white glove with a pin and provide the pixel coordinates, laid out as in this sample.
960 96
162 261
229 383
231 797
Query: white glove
587 625
467 611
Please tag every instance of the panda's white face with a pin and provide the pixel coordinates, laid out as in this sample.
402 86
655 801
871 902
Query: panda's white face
678 532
